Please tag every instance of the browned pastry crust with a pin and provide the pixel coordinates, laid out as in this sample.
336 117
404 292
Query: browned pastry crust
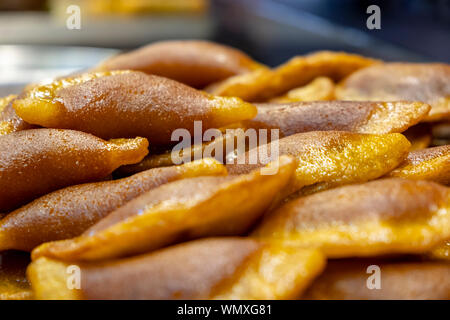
384 216
38 161
126 104
426 164
347 280
68 212
193 62
361 117
429 83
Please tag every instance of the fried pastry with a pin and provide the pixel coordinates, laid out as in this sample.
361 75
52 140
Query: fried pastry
330 158
195 63
9 120
360 117
321 88
348 280
126 104
264 84
68 212
217 148
426 164
215 268
38 161
388 216
185 209
429 83
13 282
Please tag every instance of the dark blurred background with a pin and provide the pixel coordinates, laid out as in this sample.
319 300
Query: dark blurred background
269 30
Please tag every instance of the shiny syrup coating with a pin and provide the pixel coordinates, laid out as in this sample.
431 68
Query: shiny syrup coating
390 216
38 161
352 116
126 104
177 211
206 263
68 212
9 120
195 63
330 158
429 83
214 268
264 84
319 89
427 164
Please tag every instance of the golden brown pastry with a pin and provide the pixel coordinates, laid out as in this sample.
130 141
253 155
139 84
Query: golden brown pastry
385 216
185 209
125 104
426 164
330 158
193 62
348 280
218 148
429 83
68 212
38 161
263 84
360 117
321 88
13 282
9 120
216 268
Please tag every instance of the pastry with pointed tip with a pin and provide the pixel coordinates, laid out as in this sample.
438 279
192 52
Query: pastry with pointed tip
352 116
222 146
426 164
126 104
321 88
193 62
429 83
9 120
400 280
13 282
387 216
38 161
330 158
185 209
215 268
264 84
68 212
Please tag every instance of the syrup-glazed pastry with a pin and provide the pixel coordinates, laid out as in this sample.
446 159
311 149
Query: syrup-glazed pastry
126 104
38 161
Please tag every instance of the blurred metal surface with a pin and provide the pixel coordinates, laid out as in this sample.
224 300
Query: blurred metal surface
109 32
24 64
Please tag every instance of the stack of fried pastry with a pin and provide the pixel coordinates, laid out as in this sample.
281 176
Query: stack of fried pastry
94 207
